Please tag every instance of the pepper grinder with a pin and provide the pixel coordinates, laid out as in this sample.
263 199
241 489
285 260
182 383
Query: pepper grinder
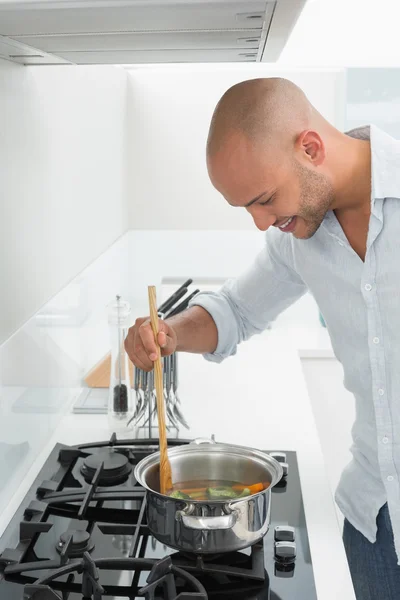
120 398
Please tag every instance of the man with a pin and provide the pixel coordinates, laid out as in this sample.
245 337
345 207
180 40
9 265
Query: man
331 204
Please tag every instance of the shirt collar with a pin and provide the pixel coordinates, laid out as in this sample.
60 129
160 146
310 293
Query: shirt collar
385 161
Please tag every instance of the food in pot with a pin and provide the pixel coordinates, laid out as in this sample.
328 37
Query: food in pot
215 490
179 495
220 493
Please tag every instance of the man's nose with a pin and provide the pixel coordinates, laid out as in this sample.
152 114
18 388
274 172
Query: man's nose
263 222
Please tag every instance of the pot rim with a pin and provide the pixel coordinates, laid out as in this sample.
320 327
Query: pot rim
276 471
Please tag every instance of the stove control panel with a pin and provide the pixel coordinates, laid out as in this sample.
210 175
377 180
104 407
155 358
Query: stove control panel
284 550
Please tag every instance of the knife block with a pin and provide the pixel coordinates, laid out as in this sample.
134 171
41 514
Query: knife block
99 375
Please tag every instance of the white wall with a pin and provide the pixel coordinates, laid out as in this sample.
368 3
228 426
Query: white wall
172 108
62 178
342 31
372 96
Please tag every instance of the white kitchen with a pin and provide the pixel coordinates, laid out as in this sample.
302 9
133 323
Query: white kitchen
105 108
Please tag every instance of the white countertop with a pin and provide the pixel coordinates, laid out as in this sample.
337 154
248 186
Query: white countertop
256 398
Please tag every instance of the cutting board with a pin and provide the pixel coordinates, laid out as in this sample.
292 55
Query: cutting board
99 375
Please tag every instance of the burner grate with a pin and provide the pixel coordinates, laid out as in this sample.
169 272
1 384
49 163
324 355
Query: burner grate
163 575
234 564
75 569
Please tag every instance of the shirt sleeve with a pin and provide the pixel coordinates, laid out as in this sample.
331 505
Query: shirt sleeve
246 305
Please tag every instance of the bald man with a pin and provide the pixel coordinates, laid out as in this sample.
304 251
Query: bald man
330 204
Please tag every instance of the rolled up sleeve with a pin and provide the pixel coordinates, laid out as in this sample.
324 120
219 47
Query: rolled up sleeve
246 305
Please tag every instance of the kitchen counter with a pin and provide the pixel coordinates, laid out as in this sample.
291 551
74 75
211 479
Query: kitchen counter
257 398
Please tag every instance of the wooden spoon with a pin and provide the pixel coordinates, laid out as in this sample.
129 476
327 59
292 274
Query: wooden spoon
165 465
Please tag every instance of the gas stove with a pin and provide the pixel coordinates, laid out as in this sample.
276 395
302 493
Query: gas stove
81 534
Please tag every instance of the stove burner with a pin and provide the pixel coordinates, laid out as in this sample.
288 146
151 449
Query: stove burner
80 543
191 557
162 574
236 564
116 467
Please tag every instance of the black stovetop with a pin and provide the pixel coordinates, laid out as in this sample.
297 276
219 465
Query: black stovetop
111 553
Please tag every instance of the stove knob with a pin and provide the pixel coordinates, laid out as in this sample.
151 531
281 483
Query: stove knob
284 533
281 458
283 570
285 552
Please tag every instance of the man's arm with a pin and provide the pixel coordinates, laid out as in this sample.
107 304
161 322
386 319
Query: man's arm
216 322
246 305
195 331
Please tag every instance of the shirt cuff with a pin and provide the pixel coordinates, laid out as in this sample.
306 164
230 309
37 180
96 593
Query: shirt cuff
219 309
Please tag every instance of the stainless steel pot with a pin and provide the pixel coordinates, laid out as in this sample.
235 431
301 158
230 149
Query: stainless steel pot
209 526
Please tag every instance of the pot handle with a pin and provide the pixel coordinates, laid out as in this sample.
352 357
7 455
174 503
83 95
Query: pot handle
199 441
207 523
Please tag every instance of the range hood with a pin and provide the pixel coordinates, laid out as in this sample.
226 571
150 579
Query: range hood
145 31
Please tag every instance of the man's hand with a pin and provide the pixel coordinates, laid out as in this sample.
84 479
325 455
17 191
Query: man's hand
140 345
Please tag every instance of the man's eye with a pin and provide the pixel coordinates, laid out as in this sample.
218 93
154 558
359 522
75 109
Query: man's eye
267 201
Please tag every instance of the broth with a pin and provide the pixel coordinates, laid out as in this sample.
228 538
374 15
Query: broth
212 489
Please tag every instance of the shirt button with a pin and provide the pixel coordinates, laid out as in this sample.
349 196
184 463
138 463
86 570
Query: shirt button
376 340
390 477
381 392
368 287
385 440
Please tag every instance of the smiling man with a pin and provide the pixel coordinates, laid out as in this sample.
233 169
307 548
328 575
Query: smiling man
330 205
271 152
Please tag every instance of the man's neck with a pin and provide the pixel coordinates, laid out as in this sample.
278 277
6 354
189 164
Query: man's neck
353 187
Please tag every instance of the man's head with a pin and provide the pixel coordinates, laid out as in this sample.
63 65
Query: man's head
265 152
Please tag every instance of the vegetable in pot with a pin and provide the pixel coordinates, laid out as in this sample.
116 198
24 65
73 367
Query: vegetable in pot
254 489
235 491
221 493
179 495
229 493
244 493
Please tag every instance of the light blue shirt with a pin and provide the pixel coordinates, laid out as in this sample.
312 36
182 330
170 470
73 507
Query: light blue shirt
359 302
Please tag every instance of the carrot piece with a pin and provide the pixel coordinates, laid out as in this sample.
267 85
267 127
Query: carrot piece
256 487
239 487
